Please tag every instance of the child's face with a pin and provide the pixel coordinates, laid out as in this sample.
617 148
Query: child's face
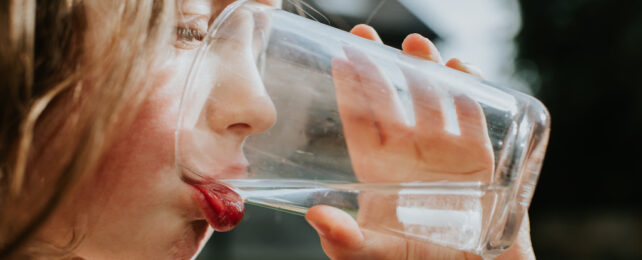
135 205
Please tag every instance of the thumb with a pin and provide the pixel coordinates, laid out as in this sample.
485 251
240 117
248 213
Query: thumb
335 227
340 235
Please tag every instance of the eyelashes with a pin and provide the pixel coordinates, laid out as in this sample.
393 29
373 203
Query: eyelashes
189 38
189 34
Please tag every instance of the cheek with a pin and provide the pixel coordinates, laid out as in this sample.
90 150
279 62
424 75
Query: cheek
135 188
148 143
139 163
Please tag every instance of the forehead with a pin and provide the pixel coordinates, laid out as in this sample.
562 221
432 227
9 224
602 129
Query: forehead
214 5
203 6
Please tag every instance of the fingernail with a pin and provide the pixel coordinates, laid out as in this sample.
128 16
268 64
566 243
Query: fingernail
366 31
431 53
456 64
470 69
464 67
434 52
474 70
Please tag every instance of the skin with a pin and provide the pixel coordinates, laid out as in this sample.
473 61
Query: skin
134 206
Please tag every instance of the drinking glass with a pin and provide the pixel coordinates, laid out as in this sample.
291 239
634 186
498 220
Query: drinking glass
408 147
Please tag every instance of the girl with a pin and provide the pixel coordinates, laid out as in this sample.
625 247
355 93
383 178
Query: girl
89 111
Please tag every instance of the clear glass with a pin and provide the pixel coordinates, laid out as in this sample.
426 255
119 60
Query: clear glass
406 146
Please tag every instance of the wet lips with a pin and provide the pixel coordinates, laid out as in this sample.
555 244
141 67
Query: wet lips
224 209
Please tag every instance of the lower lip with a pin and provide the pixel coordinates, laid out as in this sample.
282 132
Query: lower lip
223 207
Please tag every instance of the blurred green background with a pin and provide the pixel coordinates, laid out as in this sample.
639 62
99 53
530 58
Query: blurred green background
583 59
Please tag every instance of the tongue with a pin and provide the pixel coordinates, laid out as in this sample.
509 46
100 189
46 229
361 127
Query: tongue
227 206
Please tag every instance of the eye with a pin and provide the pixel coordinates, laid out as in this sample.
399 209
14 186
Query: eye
189 34
189 38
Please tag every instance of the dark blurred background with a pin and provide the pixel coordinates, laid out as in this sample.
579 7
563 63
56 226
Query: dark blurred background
583 59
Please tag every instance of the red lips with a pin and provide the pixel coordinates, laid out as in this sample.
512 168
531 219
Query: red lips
223 207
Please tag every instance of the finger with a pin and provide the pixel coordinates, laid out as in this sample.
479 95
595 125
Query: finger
471 119
382 97
341 237
419 46
426 98
274 3
426 102
353 106
366 31
335 227
463 67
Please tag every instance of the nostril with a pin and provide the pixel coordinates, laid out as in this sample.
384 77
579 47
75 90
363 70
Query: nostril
239 127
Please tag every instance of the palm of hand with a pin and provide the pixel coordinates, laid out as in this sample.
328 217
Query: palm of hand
384 148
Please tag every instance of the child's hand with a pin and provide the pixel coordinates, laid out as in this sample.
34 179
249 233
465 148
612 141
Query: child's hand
384 148
341 238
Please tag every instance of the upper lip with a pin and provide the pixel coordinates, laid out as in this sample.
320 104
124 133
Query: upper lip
233 171
207 173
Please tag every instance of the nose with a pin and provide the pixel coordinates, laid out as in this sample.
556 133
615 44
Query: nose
239 104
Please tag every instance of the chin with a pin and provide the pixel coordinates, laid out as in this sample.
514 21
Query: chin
192 242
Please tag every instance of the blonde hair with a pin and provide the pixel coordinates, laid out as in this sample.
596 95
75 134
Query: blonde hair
65 91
